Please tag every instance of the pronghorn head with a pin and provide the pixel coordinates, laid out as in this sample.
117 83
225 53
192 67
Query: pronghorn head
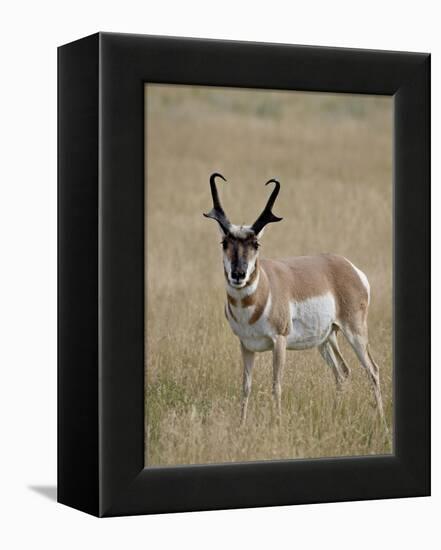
240 243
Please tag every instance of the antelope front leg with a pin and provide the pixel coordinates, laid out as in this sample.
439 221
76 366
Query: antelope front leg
279 356
248 364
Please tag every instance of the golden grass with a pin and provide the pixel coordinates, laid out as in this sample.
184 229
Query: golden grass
333 156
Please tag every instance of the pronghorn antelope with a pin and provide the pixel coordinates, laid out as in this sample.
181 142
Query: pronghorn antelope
294 303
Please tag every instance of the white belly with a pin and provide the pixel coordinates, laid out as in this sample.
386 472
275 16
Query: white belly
311 322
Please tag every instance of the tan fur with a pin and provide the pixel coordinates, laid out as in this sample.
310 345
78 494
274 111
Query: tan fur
253 275
303 277
260 297
249 300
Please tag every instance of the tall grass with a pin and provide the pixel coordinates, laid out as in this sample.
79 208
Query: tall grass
333 156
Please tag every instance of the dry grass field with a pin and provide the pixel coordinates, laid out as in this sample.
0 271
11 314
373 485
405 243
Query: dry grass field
333 157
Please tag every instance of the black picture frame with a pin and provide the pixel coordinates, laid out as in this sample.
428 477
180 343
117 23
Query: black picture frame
101 274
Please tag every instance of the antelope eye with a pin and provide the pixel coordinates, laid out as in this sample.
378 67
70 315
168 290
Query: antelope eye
224 244
255 245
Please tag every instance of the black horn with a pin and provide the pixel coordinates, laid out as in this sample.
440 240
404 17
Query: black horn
217 212
267 216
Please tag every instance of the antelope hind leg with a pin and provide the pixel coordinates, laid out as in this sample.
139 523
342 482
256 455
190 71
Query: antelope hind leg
344 369
359 343
327 352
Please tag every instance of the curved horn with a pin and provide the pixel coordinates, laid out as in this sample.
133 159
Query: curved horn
267 216
217 212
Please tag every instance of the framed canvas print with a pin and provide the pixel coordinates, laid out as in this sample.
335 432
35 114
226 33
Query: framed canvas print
244 259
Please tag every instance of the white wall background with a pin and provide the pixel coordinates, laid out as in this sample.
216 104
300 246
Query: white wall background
30 33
